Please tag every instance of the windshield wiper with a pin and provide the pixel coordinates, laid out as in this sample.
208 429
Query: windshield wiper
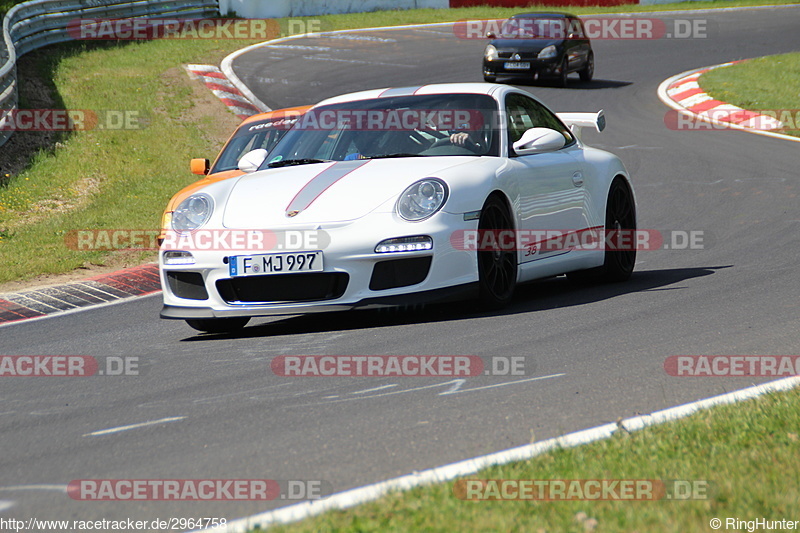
388 156
290 162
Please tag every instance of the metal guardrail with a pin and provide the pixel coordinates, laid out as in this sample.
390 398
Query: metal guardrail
38 23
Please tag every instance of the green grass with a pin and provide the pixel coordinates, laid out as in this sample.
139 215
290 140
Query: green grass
747 453
112 179
768 83
122 179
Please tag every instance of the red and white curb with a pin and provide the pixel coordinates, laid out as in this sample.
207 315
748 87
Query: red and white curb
441 474
223 89
684 94
99 290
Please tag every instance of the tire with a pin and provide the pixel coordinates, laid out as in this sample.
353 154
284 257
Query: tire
620 215
489 79
497 269
563 79
218 325
587 73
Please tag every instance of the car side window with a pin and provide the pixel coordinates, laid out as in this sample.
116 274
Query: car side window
576 28
524 113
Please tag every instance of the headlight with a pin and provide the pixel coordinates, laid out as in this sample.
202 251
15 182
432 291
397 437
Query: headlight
548 52
422 199
490 53
192 212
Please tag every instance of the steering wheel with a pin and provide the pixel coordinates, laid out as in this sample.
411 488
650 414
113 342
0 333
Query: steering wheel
469 144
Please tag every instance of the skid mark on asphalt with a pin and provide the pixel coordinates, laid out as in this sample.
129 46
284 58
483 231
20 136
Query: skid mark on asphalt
455 387
369 38
357 61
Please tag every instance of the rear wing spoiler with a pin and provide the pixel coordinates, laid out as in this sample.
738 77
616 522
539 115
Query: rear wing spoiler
577 121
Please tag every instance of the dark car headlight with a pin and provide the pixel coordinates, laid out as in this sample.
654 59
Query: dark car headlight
548 52
490 53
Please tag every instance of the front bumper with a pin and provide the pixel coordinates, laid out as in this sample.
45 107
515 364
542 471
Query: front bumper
354 275
545 68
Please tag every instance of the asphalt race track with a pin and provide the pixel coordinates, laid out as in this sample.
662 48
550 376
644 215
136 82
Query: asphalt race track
218 411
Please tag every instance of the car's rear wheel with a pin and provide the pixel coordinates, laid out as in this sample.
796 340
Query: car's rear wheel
218 325
587 73
497 268
620 228
563 79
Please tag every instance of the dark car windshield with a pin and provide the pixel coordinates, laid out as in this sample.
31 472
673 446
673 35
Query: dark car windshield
392 127
262 134
534 28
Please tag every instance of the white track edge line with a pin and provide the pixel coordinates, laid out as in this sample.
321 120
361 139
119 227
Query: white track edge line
367 493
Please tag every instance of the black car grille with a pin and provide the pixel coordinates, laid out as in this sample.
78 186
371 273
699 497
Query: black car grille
189 285
399 273
284 287
523 56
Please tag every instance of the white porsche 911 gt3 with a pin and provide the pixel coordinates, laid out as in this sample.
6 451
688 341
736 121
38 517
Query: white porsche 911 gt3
398 196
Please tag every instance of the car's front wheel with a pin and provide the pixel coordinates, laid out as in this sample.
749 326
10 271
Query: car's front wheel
497 268
563 78
620 227
587 73
218 325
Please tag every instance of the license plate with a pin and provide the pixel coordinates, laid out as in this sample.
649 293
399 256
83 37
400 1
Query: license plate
517 66
280 263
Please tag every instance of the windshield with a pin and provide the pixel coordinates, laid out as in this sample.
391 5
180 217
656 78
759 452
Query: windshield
534 28
262 134
402 126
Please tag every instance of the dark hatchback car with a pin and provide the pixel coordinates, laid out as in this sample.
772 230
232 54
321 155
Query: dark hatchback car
539 45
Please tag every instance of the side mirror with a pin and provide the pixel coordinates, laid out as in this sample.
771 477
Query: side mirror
491 35
252 160
539 140
199 166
